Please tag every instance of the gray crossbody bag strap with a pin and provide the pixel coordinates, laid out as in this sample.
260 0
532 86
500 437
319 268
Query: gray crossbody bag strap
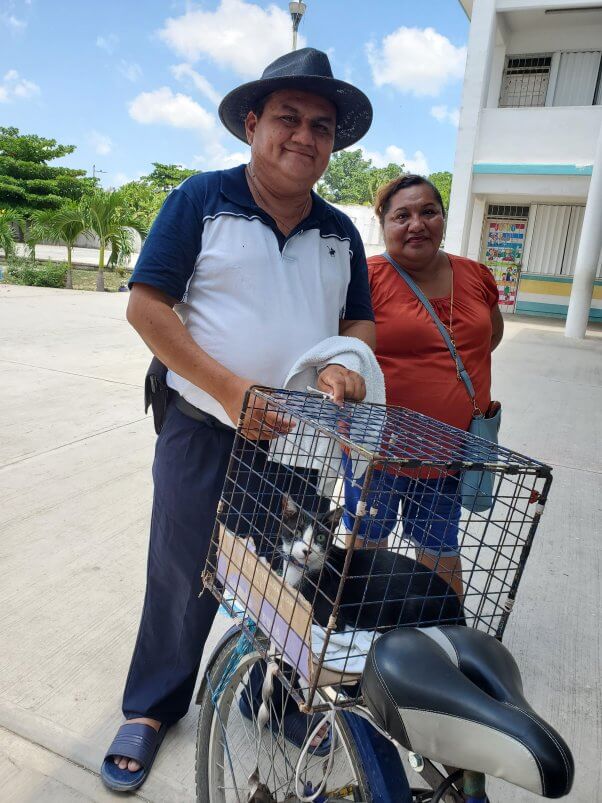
444 333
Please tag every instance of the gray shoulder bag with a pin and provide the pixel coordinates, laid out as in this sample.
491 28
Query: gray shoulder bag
476 487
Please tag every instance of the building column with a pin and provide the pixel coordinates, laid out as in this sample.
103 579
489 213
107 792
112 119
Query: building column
476 86
473 250
588 254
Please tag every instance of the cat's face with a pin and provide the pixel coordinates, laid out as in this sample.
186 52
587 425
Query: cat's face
305 539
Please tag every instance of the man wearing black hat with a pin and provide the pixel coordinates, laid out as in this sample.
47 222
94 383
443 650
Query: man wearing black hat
243 271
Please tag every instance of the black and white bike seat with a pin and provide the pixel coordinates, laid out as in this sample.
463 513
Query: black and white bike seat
455 695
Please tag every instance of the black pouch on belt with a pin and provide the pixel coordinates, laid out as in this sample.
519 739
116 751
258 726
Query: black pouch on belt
156 392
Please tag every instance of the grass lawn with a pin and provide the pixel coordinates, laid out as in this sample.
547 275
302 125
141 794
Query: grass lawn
82 279
86 280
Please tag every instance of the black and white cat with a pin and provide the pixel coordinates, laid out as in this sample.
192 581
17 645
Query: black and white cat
383 590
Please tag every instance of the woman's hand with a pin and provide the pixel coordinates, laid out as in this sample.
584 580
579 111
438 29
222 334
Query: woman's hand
342 384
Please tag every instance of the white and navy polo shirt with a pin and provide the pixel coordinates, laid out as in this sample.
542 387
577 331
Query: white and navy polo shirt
252 298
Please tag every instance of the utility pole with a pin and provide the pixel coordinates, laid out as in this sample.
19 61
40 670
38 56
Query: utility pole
297 10
95 171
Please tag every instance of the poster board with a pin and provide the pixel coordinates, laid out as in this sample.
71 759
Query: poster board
503 254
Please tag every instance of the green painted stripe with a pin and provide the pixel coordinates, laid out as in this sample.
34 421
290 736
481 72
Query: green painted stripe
532 169
540 277
553 310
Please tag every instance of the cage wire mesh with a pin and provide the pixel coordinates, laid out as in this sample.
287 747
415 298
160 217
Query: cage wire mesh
352 525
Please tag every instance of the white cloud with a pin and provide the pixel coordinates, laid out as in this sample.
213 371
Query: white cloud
177 110
183 71
130 70
15 24
8 16
445 115
239 35
119 179
419 61
216 157
14 87
100 142
181 111
393 153
108 43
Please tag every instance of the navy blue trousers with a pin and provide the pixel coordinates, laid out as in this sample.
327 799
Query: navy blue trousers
191 459
189 469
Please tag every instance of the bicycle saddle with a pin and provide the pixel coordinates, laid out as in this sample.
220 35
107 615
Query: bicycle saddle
455 696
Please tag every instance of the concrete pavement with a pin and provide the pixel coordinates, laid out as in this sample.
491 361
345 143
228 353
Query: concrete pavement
75 496
79 256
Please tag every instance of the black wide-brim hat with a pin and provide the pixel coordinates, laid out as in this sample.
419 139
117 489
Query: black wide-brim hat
307 70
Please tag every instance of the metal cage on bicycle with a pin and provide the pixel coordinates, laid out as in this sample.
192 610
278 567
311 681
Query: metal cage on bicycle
290 551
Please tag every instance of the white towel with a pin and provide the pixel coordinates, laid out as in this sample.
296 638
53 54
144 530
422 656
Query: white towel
301 447
351 353
346 651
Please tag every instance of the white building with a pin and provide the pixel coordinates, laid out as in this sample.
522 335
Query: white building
368 225
527 188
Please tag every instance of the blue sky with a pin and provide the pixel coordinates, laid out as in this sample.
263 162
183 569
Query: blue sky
130 83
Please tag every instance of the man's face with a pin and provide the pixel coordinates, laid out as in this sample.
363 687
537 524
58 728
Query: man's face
292 140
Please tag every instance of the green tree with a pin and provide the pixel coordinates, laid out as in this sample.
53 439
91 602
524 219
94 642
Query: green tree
7 232
443 182
351 179
165 177
145 197
28 182
107 216
381 175
142 201
62 225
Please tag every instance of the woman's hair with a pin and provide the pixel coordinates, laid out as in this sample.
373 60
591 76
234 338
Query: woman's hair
382 202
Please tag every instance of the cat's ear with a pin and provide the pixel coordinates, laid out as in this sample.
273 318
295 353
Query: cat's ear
289 508
331 519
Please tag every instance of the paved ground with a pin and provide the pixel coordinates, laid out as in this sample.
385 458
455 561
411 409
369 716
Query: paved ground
79 256
75 494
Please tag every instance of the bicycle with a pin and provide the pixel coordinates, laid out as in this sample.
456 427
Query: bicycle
459 713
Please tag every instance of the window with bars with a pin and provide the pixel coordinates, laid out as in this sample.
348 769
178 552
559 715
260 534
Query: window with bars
525 81
506 211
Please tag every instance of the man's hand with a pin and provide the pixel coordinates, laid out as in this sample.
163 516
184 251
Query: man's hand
260 421
342 384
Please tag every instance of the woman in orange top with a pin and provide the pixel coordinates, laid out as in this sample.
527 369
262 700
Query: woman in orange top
420 373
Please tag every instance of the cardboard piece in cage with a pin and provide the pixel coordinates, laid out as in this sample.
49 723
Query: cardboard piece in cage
281 612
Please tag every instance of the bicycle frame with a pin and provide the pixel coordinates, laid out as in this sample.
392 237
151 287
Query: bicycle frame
380 756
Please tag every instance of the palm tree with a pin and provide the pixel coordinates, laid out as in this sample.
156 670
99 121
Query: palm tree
7 237
107 216
63 225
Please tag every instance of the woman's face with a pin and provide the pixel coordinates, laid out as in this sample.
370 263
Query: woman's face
413 226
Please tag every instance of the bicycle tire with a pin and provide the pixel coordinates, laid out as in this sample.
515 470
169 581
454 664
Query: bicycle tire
208 771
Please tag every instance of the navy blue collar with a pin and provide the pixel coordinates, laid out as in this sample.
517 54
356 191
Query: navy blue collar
235 187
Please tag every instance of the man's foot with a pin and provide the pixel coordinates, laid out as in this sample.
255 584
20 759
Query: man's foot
130 757
129 764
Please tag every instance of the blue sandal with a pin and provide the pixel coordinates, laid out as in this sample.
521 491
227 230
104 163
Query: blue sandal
296 727
137 742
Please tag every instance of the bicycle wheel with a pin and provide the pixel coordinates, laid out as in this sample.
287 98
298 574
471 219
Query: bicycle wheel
227 745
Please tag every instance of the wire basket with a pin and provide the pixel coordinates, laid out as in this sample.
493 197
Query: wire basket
352 525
